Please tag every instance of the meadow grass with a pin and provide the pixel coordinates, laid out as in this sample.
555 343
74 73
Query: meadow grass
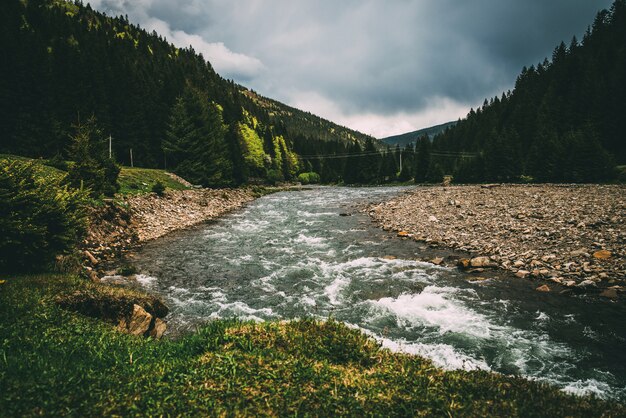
57 362
141 180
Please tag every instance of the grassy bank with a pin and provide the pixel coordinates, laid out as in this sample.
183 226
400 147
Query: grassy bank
55 362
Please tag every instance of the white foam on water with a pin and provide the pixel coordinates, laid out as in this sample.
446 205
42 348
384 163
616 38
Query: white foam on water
306 214
442 355
434 308
588 387
145 280
314 242
307 300
265 283
333 290
250 226
175 289
241 310
542 317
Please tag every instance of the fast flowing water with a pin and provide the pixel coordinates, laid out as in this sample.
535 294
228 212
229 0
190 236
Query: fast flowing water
290 255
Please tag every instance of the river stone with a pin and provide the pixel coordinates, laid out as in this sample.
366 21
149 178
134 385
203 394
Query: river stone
481 262
543 288
403 234
586 283
437 261
93 260
139 321
602 255
159 328
609 293
522 274
463 263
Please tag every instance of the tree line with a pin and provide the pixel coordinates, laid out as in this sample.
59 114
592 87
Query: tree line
563 121
162 106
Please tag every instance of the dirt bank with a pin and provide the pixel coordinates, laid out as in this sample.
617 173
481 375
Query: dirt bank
117 227
569 235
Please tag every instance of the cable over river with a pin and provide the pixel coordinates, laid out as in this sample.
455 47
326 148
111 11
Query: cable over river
291 255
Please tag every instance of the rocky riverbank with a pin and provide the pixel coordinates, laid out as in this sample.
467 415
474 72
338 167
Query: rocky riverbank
571 236
117 227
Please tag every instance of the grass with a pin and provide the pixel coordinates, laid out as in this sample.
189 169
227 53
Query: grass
56 362
132 180
141 180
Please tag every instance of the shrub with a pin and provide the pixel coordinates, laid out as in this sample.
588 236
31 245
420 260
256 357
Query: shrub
39 217
274 176
158 188
309 178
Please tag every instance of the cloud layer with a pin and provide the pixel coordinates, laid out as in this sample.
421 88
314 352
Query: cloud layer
379 67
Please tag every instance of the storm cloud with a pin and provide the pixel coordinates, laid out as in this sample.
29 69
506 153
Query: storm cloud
381 67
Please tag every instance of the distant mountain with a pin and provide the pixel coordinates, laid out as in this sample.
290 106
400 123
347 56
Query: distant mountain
411 137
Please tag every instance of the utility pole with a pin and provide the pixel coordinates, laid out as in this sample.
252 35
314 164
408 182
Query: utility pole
401 161
131 158
110 154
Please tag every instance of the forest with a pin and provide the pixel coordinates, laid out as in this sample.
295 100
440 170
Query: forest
158 106
562 122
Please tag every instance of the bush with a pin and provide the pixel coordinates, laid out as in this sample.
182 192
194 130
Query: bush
39 217
309 178
158 188
274 176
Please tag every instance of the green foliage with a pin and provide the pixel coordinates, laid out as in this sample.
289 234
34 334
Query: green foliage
158 188
165 103
55 362
252 150
309 178
92 168
195 143
563 122
274 176
142 180
39 217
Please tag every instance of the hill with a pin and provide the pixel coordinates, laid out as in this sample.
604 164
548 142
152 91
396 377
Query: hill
563 122
411 137
64 62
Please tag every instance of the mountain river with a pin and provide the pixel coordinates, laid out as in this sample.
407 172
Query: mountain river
290 255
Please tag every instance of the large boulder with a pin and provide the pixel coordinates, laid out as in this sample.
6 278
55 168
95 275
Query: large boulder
482 262
138 323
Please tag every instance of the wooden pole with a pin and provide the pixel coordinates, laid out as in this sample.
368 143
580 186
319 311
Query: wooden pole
131 157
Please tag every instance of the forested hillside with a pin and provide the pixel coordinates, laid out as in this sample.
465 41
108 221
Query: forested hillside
162 106
564 120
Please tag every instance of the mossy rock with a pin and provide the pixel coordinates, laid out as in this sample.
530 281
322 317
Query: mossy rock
111 303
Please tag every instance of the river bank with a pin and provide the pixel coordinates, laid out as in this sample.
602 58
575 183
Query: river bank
116 227
571 236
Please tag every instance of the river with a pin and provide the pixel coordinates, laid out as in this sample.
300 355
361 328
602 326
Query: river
291 255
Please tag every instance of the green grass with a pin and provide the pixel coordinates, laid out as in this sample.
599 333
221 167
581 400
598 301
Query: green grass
55 362
45 171
141 180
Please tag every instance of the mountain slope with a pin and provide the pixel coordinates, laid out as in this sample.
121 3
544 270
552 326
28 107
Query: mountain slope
411 137
64 62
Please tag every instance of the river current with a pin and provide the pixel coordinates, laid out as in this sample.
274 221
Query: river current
291 255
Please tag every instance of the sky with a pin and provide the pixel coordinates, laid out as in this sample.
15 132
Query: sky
380 67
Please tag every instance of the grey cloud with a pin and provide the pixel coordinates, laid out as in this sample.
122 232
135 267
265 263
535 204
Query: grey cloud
376 56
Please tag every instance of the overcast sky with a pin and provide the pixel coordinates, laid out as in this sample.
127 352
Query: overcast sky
380 67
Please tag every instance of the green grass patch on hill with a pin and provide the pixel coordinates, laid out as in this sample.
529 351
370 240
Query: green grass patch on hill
56 362
141 180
